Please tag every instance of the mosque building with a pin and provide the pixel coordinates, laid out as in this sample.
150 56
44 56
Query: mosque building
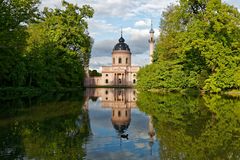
122 73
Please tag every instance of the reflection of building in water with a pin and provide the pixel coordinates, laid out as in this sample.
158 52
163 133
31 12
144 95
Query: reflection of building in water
151 132
120 100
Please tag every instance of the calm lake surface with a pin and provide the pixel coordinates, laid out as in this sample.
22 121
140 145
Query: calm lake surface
113 123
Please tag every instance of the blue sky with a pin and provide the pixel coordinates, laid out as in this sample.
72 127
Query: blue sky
134 16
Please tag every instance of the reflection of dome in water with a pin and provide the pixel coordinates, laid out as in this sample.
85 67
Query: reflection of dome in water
121 119
121 127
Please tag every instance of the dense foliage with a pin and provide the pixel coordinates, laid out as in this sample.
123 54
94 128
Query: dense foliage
198 47
93 73
47 49
194 127
44 127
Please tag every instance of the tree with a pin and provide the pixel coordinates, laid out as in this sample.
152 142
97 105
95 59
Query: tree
201 36
15 15
59 47
94 72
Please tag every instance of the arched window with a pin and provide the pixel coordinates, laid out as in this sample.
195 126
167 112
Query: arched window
106 81
113 60
119 60
119 81
126 114
126 60
134 81
119 113
106 92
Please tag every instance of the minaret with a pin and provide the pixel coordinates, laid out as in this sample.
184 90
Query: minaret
151 43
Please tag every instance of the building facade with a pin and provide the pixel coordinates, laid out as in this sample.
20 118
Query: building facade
121 73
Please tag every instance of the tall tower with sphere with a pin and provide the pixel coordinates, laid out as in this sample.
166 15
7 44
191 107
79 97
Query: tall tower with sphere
151 43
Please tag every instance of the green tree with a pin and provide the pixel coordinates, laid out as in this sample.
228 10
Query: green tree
59 47
15 15
94 72
203 38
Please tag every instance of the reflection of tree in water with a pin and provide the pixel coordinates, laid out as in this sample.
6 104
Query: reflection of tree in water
194 127
48 130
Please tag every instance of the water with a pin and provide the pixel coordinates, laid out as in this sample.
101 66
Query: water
118 128
117 124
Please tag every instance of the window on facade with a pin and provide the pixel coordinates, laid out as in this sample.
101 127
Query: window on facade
113 113
106 75
106 91
126 113
106 98
119 81
106 80
134 75
119 60
119 93
134 81
126 60
113 60
119 113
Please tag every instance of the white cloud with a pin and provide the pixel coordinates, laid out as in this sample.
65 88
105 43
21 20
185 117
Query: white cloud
137 39
143 23
140 59
134 16
139 145
97 62
118 8
100 28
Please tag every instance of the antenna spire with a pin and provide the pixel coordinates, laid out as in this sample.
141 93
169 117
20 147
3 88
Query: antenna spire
151 30
121 32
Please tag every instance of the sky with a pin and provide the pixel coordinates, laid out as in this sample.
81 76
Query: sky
133 16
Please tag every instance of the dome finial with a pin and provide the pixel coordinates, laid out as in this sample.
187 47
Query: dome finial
151 24
121 32
121 40
151 30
